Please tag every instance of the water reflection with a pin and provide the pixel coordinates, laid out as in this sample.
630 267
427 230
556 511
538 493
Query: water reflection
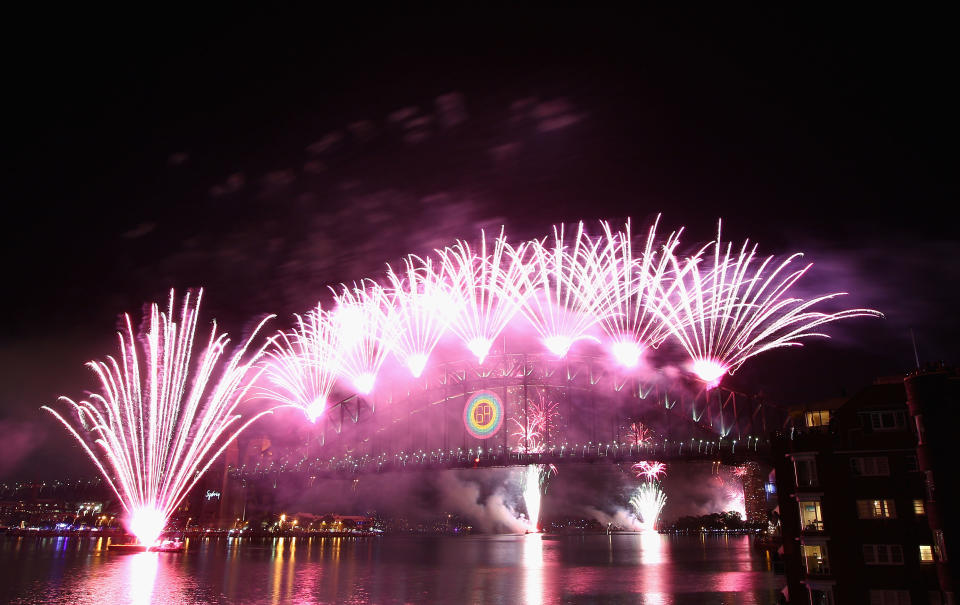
535 568
533 564
141 576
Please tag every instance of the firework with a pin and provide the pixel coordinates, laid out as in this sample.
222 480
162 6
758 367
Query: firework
735 500
364 335
158 421
650 470
725 314
555 295
740 472
419 313
638 434
647 502
302 364
483 288
530 487
541 418
626 291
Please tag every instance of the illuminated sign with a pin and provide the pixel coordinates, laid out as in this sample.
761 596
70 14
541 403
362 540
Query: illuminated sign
212 494
483 415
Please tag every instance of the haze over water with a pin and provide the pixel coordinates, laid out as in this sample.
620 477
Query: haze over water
623 568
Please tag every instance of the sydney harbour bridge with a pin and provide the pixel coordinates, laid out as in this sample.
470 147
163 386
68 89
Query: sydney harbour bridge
599 415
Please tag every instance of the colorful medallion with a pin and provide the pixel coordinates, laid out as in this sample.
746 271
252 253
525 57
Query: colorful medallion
483 414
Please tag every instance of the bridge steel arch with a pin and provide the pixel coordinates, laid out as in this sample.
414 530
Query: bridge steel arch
418 423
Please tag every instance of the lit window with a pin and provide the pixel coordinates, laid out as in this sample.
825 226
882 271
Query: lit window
926 553
810 519
876 509
818 418
918 508
815 559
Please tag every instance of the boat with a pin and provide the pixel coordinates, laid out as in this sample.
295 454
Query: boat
168 546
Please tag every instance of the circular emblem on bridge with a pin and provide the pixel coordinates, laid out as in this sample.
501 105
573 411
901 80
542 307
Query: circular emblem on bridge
483 414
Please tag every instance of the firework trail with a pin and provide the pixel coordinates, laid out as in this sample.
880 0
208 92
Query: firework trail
364 335
484 290
725 314
541 418
160 421
302 364
556 297
626 290
647 502
650 470
420 310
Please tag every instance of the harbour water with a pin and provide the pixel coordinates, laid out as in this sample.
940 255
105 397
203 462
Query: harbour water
651 569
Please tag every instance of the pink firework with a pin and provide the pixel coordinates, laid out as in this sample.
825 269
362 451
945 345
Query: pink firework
159 421
483 287
420 311
740 472
555 293
541 417
638 434
738 308
650 470
302 364
364 334
626 290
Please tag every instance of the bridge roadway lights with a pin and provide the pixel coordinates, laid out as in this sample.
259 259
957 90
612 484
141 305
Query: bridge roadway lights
407 463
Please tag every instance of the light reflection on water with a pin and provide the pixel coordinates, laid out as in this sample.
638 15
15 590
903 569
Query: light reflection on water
538 569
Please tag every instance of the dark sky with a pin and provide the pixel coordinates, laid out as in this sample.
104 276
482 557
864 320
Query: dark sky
265 155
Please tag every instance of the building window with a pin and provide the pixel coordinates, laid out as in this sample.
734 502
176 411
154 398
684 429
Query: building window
891 420
806 469
882 554
810 519
876 509
818 418
889 597
911 463
926 553
870 466
918 508
815 559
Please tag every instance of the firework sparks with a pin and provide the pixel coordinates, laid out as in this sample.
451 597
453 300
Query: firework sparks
420 311
362 320
647 502
737 308
626 291
650 470
158 423
555 298
483 287
541 418
638 434
740 472
302 364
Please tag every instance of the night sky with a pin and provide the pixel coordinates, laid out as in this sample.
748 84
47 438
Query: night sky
265 156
